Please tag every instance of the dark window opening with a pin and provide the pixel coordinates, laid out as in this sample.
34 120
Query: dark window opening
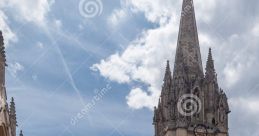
213 121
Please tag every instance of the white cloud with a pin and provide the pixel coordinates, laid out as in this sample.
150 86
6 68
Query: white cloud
34 11
160 12
139 98
155 10
232 74
30 10
237 67
116 69
249 106
239 53
144 59
118 16
9 35
205 40
255 30
205 9
15 68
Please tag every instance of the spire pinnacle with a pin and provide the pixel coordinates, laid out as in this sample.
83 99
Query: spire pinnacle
13 114
210 70
188 57
167 72
2 48
166 85
12 107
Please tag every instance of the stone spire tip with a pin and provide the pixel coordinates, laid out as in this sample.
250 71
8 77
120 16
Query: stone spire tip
210 69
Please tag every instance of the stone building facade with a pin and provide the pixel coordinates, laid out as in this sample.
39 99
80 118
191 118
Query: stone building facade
191 102
8 121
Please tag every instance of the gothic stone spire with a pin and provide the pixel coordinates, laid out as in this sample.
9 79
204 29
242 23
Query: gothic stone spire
188 79
188 58
188 70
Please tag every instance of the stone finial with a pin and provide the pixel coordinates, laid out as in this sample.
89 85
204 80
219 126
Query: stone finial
21 134
167 72
210 69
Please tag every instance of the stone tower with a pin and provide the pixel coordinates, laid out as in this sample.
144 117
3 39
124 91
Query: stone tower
8 121
191 102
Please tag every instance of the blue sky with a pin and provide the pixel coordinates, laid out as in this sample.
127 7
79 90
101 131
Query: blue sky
60 60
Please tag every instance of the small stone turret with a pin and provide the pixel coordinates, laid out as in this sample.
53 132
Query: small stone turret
21 134
12 114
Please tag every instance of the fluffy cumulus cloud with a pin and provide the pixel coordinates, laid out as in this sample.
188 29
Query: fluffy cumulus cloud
235 47
30 10
144 59
155 11
34 11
